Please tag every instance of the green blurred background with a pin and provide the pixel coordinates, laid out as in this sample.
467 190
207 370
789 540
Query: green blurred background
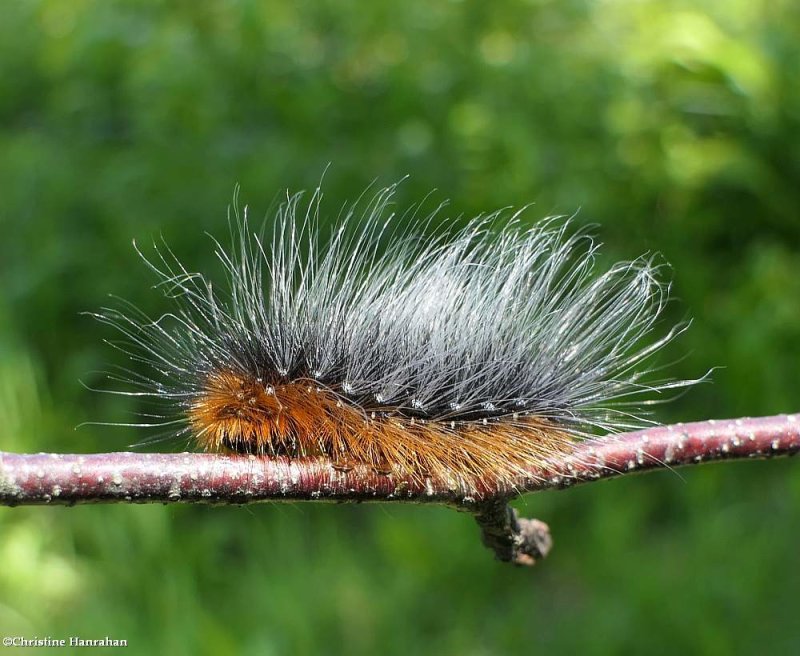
674 125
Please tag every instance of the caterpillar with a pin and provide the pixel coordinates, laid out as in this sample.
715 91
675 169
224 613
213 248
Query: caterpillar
473 354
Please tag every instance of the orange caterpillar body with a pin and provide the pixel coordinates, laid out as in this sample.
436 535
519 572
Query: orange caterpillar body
301 419
472 355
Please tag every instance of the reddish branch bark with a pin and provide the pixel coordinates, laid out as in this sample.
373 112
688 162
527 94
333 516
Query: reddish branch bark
31 479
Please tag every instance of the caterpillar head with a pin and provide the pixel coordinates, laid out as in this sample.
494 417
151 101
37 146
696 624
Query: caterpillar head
236 412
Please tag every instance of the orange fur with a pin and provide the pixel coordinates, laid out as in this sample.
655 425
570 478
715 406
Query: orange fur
301 419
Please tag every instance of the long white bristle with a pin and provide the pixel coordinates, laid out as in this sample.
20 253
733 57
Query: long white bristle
491 320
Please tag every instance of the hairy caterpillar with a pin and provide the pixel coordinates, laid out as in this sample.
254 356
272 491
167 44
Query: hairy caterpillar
470 355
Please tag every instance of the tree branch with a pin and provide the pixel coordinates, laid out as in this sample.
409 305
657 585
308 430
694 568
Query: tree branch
36 479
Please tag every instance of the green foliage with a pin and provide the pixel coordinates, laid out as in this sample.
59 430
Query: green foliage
674 125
